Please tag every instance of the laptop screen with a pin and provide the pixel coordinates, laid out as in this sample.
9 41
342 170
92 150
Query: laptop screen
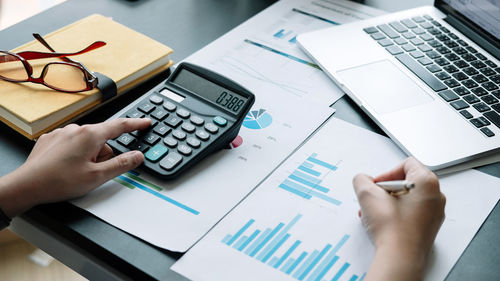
484 14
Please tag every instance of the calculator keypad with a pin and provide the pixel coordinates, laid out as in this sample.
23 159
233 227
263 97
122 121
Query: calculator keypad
176 136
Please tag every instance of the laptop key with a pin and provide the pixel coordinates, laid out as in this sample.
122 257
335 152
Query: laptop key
451 44
452 57
442 75
418 19
370 30
459 50
428 17
387 30
490 86
418 30
478 123
443 37
468 57
424 48
490 63
478 64
435 43
378 36
448 95
496 93
459 104
479 78
398 26
394 50
460 64
426 37
385 42
443 50
460 76
494 117
496 79
408 23
462 43
408 47
471 99
434 31
472 50
417 41
466 114
425 61
487 132
433 54
426 25
481 107
408 35
400 41
487 71
489 99
496 107
433 68
480 56
470 71
479 91
469 83
461 91
453 36
441 61
452 83
450 69
421 72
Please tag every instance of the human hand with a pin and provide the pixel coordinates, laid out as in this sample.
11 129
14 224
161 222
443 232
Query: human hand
402 228
68 163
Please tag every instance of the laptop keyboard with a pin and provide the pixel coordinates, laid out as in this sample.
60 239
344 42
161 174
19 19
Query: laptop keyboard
459 73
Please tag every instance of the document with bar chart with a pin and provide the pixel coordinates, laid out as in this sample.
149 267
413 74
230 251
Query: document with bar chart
302 222
262 54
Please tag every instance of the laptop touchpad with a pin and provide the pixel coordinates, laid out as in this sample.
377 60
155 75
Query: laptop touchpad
383 87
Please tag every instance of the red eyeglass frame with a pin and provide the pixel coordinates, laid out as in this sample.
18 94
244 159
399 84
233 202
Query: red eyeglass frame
90 79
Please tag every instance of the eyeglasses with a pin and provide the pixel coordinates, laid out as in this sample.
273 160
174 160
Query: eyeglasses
67 76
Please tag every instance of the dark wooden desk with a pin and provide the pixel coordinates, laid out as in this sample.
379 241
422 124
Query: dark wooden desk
99 251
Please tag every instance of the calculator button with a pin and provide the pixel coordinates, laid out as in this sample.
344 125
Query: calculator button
156 152
202 135
197 120
135 114
184 149
188 127
173 121
181 112
159 114
220 121
211 128
153 123
162 129
194 142
178 134
135 133
125 140
169 106
147 108
150 138
156 99
170 142
142 147
171 161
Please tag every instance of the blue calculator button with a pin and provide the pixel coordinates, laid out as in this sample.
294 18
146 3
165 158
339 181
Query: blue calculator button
220 121
156 152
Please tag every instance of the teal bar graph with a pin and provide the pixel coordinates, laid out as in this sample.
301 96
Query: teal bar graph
276 249
306 180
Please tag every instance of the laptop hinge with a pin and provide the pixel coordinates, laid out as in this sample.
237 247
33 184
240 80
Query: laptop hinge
471 34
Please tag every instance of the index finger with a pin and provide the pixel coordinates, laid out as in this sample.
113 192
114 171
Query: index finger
114 128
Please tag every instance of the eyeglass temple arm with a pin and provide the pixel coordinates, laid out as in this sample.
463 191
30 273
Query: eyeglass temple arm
43 42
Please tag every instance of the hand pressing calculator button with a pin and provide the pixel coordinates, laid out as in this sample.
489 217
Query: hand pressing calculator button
194 113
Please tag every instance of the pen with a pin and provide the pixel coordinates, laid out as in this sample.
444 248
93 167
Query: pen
397 187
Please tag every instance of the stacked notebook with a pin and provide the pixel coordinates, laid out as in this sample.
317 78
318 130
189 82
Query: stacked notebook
128 58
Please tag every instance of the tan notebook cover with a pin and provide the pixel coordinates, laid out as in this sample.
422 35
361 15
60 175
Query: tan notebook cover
128 58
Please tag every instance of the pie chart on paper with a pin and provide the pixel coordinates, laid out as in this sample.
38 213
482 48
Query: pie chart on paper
257 119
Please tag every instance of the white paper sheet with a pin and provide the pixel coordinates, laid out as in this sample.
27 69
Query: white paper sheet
261 54
327 220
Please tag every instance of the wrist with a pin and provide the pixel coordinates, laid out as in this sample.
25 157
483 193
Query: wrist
15 194
398 258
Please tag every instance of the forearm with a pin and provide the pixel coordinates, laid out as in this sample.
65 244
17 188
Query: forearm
15 195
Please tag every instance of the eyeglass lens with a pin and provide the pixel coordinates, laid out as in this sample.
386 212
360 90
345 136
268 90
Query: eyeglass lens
12 68
65 77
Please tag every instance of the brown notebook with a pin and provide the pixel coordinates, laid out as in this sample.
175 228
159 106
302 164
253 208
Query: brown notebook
128 58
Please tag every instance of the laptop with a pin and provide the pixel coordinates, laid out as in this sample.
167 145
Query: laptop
429 76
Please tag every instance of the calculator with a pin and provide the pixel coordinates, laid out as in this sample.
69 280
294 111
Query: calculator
194 113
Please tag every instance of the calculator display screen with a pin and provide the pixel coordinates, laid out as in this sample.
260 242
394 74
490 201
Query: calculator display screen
217 94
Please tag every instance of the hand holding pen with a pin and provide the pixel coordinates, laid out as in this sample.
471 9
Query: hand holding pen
402 228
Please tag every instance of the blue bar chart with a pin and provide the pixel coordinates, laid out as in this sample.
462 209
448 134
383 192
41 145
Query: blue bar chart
133 180
282 34
306 180
307 265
